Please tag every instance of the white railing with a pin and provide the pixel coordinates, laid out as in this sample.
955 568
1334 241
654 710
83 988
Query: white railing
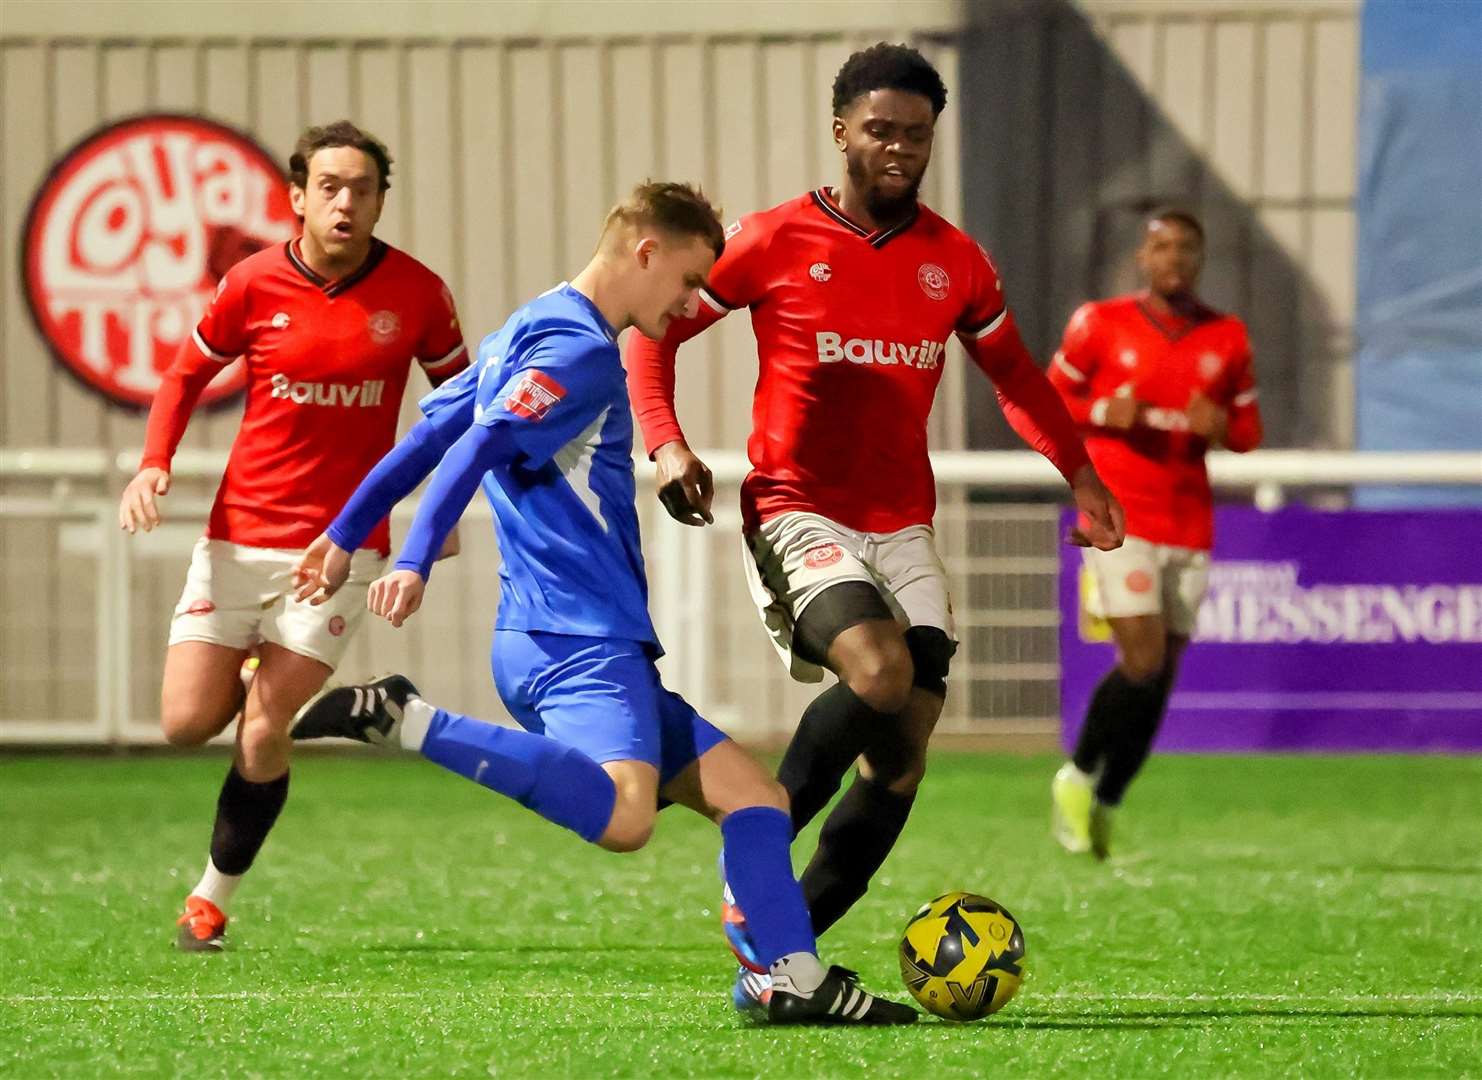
1020 469
92 680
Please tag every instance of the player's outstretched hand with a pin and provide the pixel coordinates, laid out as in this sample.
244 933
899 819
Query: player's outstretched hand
685 485
397 596
138 509
320 571
1102 523
1207 420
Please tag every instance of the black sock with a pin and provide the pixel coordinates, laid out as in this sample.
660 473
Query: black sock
855 839
834 731
1127 722
1103 718
245 812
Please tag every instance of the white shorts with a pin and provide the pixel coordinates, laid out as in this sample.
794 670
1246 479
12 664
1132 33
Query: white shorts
1144 578
240 596
795 556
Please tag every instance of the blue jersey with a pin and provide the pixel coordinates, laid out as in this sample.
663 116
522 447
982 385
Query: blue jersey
564 511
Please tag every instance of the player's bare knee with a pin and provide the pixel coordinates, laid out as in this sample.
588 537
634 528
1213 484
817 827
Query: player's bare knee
772 794
1143 664
264 747
186 727
184 730
882 679
629 829
625 837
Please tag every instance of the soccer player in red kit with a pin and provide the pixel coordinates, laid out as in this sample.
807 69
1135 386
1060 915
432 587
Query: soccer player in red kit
854 292
328 325
1154 379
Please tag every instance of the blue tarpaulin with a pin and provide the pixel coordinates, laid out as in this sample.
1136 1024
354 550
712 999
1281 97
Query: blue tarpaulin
1419 319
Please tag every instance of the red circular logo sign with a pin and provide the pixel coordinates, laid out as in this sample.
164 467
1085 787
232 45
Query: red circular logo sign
201 607
129 236
337 625
819 557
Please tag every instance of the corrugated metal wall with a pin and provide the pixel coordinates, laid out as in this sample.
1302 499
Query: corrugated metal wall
1061 123
1081 115
508 153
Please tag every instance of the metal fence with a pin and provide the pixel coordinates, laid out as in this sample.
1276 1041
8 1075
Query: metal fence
85 609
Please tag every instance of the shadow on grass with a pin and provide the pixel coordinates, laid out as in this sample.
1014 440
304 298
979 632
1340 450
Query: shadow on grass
497 949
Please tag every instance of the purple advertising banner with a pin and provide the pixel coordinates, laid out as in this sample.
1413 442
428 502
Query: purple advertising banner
1353 630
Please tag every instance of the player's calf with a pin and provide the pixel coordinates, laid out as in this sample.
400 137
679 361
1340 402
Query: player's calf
556 781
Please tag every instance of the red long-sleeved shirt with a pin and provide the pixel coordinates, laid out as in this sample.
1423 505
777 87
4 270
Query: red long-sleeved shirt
1156 468
851 328
327 362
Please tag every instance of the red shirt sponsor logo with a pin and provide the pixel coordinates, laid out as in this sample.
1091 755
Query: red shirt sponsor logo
820 557
368 394
129 236
534 396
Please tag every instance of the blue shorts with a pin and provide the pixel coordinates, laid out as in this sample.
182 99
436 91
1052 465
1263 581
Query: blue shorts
600 696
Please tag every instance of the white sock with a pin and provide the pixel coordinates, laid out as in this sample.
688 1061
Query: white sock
414 721
802 969
216 886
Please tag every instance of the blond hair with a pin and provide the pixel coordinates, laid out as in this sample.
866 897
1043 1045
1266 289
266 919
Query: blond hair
681 209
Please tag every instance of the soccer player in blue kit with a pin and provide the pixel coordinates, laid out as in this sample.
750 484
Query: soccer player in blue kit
542 421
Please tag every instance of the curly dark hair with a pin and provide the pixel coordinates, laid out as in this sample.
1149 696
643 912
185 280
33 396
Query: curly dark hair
888 67
339 133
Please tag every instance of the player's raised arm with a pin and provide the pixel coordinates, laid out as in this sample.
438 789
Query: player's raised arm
325 564
441 353
398 595
1236 426
1073 370
1033 407
683 482
215 343
1036 412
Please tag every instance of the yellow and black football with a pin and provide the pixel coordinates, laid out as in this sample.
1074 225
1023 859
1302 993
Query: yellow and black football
962 956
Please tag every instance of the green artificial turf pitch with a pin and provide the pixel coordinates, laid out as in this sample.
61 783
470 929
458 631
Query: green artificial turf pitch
1259 917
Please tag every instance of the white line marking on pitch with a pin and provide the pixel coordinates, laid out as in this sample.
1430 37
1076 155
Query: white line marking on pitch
1437 997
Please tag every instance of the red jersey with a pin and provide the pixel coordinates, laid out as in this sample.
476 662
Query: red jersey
327 362
1156 468
852 329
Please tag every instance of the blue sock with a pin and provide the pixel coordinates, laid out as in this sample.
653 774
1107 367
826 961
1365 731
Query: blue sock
758 864
559 783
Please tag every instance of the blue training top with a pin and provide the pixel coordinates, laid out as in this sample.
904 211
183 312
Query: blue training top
543 420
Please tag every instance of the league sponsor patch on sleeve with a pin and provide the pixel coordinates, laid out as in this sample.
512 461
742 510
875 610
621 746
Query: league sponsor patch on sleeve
534 396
